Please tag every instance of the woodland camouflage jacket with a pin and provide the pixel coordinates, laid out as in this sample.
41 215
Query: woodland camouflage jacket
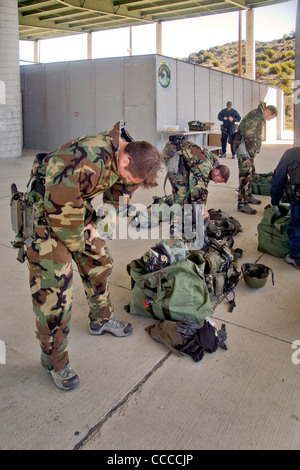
191 177
73 175
251 129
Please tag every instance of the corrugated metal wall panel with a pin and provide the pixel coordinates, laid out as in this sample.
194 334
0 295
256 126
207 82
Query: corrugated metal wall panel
57 104
62 101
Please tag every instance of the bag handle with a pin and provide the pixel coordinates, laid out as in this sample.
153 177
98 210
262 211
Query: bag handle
153 294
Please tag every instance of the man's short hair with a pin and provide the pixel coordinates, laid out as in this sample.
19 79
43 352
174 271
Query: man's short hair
224 172
272 109
145 162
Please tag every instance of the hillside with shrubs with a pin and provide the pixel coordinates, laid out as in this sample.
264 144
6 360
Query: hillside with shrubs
275 64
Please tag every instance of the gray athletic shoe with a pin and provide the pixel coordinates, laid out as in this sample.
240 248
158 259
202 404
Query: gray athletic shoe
290 260
113 326
243 207
65 379
253 200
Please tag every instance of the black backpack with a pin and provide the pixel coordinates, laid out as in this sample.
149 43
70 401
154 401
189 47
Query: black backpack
292 187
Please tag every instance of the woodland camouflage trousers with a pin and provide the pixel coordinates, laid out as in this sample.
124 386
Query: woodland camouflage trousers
51 280
246 170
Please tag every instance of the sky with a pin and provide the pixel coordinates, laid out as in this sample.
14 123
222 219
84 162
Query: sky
179 38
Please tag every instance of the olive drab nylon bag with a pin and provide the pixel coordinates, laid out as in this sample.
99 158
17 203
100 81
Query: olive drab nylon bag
172 292
261 183
272 236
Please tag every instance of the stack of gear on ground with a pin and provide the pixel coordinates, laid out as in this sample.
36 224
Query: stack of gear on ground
189 338
222 224
221 274
168 283
200 339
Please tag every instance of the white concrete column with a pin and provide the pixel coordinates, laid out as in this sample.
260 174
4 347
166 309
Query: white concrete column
158 38
250 45
10 96
90 45
296 95
130 41
36 52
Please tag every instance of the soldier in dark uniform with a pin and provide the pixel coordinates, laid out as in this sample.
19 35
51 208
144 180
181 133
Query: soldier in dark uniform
280 187
229 117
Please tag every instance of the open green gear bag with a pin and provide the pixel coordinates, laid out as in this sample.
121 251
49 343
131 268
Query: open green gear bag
272 236
172 292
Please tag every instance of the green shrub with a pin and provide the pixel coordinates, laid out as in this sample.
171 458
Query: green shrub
286 81
285 68
264 64
291 53
287 90
259 72
208 56
275 69
262 57
270 52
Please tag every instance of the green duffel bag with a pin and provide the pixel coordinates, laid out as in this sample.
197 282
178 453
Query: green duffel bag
261 183
170 293
272 236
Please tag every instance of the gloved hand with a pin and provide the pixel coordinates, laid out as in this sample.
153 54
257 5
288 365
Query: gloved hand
187 329
222 336
200 338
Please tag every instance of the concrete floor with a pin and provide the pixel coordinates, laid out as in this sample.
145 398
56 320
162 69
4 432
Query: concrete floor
134 393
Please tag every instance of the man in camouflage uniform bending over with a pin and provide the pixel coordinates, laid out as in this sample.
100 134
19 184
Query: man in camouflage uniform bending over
250 130
190 168
67 228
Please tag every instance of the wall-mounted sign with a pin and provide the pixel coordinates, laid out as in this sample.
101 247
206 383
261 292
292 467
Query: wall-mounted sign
164 74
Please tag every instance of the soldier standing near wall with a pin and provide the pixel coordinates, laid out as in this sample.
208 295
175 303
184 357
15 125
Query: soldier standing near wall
229 117
247 143
63 185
